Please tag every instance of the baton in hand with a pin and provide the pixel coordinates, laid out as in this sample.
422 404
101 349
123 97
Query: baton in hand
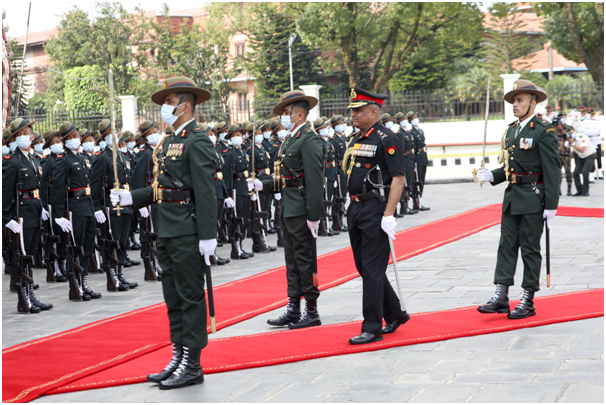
211 300
547 263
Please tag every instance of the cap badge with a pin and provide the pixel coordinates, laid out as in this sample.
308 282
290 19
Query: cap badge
353 93
164 85
515 86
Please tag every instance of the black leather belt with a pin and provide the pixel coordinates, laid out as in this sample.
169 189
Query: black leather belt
241 175
78 192
408 152
30 194
173 195
420 150
218 176
291 181
330 165
264 170
522 178
362 197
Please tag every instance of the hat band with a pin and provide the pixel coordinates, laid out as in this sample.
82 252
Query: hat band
362 97
181 84
293 96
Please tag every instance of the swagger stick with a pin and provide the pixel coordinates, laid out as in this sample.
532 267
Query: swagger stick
483 164
547 262
211 299
112 116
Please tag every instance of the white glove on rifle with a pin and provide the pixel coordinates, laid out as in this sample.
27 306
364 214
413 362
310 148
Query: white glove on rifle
336 184
254 197
278 196
14 226
229 202
388 224
313 227
207 248
548 215
254 184
100 217
121 197
44 215
144 212
485 175
65 225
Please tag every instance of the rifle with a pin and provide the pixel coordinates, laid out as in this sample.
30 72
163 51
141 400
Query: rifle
108 244
416 193
337 206
322 230
278 225
222 235
147 238
49 239
73 268
259 227
234 228
22 260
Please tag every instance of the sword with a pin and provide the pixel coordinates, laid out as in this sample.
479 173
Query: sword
211 300
112 117
548 264
483 165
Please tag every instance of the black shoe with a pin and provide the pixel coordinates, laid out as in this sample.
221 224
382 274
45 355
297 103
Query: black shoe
189 371
36 286
246 253
134 246
219 260
499 303
569 192
89 291
172 366
120 286
585 195
332 232
393 326
423 208
85 297
525 308
272 230
364 338
33 309
292 313
577 194
396 215
309 318
123 279
127 264
37 303
345 229
131 261
412 212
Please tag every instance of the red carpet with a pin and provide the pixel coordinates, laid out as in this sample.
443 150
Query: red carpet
581 212
268 349
23 382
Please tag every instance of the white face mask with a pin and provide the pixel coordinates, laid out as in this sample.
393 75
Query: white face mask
415 122
267 134
102 145
213 138
258 139
123 150
153 139
236 140
39 147
12 146
5 150
108 140
245 136
388 124
131 145
56 148
222 136
24 141
324 132
286 121
167 113
340 128
88 147
72 144
282 134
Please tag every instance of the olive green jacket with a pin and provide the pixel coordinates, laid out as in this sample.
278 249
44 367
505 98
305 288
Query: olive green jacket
195 167
302 152
541 156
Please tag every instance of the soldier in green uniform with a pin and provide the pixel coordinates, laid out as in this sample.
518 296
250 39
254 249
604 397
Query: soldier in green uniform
409 162
420 158
330 171
126 146
38 145
21 168
187 232
5 149
88 145
102 181
339 142
70 186
529 153
222 145
301 185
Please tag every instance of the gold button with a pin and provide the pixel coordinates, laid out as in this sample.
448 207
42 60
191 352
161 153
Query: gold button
534 188
514 146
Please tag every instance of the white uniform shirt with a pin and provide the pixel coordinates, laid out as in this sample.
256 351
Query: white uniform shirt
583 140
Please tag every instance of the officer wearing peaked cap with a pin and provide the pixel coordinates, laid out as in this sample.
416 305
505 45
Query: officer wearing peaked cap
373 160
529 154
187 232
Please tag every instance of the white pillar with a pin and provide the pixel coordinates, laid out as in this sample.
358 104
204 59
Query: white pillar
129 113
314 91
508 81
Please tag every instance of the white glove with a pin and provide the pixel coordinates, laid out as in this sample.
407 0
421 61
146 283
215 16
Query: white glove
313 227
548 215
100 217
278 196
229 202
336 184
254 184
388 224
65 225
44 214
254 197
121 197
207 248
14 226
144 212
485 175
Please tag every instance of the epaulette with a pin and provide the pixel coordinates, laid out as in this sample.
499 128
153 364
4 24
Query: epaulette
513 124
6 157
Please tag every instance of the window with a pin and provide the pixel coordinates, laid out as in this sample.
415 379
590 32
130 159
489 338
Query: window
240 49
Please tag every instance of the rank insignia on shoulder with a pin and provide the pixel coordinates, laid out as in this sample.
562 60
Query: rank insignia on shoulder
391 150
532 125
550 130
184 133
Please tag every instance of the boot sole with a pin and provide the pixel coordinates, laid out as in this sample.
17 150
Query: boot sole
300 326
533 313
197 381
498 311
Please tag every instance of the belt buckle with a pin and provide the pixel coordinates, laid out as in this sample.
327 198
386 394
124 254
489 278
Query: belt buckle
246 173
36 193
220 176
126 187
514 179
87 191
266 170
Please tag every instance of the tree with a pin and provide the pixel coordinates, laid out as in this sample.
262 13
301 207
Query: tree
376 40
17 63
79 81
576 30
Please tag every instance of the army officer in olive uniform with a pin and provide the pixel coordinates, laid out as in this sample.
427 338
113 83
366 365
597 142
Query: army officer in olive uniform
187 226
529 153
301 183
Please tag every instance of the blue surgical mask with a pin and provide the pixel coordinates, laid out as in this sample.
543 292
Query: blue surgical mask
582 118
415 122
286 121
245 136
12 146
153 139
56 148
108 140
324 132
282 134
123 150
5 150
88 147
102 145
39 147
258 139
24 141
213 138
131 145
222 136
236 140
267 134
167 114
72 144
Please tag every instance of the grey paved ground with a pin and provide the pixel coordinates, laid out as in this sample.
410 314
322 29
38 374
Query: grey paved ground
555 363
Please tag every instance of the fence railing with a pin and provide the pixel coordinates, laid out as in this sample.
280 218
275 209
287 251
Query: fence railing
569 97
46 120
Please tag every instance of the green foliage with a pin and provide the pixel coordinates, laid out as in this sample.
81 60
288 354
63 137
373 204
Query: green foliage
423 72
27 86
78 94
468 73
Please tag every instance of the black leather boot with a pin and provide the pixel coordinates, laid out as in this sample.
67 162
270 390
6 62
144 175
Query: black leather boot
124 280
244 251
332 232
131 261
36 302
59 277
120 286
189 371
238 254
271 248
292 313
499 303
309 318
33 309
83 295
569 191
525 308
170 368
219 260
89 291
133 243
